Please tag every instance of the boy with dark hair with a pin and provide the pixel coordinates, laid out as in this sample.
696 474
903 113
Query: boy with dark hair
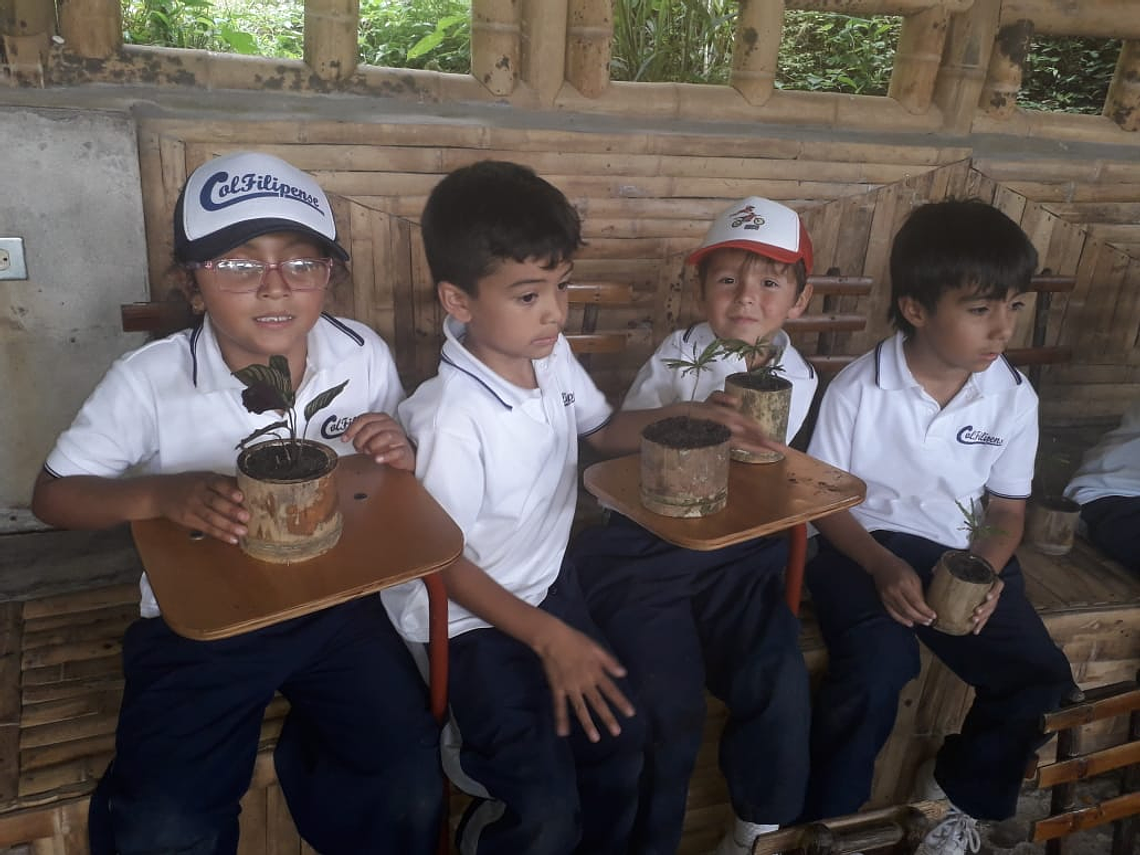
932 418
256 246
681 619
497 434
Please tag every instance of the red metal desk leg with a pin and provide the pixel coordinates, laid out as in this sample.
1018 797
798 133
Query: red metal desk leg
794 574
437 681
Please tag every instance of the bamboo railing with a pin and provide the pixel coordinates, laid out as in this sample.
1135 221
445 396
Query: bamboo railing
958 66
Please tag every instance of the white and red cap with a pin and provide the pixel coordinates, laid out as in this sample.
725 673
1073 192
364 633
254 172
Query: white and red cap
761 226
237 197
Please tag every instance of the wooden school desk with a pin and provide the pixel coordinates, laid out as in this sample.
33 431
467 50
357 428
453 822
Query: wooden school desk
394 531
763 498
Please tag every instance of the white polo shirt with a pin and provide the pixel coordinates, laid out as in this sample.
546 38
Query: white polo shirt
917 459
1112 466
502 461
174 406
657 385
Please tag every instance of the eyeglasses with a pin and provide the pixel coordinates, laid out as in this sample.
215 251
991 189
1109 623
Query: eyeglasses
244 275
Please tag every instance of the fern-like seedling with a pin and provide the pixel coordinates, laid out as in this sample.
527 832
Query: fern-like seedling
761 358
700 362
974 521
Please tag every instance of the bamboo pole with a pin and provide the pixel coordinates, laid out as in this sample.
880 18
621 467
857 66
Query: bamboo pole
544 47
495 44
1106 19
91 28
1003 80
918 59
886 7
958 88
1123 102
26 30
759 28
332 40
590 32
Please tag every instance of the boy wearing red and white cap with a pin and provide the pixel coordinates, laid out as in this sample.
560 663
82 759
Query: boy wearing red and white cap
681 620
256 248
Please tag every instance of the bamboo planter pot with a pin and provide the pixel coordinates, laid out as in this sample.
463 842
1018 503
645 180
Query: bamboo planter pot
291 519
960 583
766 400
1051 524
684 467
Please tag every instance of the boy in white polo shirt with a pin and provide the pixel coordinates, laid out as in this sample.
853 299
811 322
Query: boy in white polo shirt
1107 485
931 418
496 433
682 619
255 247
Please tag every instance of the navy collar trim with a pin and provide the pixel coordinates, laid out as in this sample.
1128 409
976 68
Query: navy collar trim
878 363
344 328
477 379
194 336
1016 374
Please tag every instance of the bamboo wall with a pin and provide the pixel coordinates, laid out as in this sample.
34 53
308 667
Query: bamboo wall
649 163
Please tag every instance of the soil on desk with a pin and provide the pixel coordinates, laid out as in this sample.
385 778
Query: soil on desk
686 432
276 463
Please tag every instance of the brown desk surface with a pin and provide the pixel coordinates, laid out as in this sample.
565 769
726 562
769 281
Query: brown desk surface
394 531
763 498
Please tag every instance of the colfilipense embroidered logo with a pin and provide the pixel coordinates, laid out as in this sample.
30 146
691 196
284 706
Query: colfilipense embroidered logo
222 190
748 218
334 426
567 399
971 436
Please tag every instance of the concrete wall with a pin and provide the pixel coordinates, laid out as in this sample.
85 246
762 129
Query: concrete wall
69 186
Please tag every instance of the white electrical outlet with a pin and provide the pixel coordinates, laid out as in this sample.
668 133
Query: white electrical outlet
12 263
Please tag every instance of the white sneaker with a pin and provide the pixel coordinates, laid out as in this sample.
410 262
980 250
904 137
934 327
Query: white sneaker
738 839
925 787
957 834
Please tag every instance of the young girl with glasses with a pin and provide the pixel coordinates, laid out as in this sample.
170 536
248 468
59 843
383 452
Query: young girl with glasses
357 757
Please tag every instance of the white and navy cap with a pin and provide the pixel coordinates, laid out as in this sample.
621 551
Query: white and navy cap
761 226
237 197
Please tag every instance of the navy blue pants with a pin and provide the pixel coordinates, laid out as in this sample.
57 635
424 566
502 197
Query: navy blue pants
680 620
537 793
357 757
1114 526
1018 674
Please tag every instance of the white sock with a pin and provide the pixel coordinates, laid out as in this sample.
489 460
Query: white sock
738 841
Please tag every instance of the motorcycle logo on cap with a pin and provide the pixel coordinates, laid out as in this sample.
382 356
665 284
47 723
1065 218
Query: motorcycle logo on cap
748 218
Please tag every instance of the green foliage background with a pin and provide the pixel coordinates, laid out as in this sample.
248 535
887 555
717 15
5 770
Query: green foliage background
659 40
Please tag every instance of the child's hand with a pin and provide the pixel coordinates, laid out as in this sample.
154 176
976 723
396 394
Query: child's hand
205 501
989 604
381 436
900 589
746 434
579 671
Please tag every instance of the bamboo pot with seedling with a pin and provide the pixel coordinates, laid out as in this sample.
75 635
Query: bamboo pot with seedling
684 460
764 396
287 482
962 579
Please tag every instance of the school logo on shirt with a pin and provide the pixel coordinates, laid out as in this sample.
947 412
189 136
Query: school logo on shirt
334 426
971 436
567 399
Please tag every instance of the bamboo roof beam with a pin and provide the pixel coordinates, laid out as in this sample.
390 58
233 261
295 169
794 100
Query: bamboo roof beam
1007 62
590 32
918 58
496 36
91 28
543 60
332 37
1123 102
966 58
1105 19
759 28
26 30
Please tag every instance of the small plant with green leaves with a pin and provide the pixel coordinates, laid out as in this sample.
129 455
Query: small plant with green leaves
761 358
698 364
974 521
270 387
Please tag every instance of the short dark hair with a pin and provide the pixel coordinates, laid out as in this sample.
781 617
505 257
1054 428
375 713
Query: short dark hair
493 211
955 244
